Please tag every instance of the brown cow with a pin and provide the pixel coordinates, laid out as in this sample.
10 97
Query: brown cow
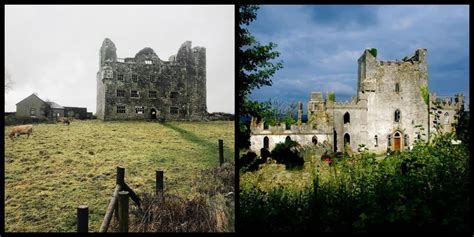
21 129
64 120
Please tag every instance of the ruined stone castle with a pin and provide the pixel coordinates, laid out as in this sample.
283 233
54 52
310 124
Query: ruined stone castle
146 87
391 110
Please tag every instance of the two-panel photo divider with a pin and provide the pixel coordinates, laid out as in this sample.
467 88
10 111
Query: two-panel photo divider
236 118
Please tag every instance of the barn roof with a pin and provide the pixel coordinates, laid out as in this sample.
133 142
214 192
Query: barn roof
54 105
32 95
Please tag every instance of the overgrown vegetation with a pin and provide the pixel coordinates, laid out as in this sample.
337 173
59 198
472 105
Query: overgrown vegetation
61 167
210 209
425 189
425 94
373 51
332 96
287 153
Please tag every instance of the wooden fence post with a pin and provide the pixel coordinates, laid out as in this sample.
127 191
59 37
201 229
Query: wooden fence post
159 183
221 152
83 219
123 211
120 176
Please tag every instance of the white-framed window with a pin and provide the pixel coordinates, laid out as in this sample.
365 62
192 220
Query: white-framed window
139 109
148 62
134 78
33 112
134 94
446 118
120 77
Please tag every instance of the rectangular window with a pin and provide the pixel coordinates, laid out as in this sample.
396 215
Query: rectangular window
173 110
139 109
120 77
134 94
32 112
120 60
121 109
152 94
147 61
134 78
151 78
174 95
120 93
108 73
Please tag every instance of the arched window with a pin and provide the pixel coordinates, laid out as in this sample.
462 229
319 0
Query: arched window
376 141
446 118
314 140
347 139
405 140
347 118
288 139
397 87
397 116
265 143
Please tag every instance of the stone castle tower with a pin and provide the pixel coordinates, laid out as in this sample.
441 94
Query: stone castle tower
146 87
389 112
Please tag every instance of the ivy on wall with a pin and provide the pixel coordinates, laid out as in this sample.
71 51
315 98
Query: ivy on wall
424 94
373 51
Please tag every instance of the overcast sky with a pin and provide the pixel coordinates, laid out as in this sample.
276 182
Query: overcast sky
320 45
54 50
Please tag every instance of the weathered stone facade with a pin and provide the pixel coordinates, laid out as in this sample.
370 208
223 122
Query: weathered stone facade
146 87
389 112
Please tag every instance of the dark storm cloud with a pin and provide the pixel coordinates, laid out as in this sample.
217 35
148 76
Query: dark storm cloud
320 45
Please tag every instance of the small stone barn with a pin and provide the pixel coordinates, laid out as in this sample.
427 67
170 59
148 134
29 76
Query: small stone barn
34 107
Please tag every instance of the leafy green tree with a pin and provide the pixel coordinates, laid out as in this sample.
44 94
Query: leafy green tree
255 69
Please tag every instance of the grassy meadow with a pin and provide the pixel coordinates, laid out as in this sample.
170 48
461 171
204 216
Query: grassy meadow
61 167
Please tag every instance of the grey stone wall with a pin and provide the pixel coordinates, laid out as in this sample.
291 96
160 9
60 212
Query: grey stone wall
179 84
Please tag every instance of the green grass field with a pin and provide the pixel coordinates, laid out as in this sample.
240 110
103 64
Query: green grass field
61 167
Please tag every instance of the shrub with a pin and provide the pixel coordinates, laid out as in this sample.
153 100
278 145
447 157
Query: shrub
288 153
425 189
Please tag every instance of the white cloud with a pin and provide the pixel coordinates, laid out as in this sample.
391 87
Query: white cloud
54 49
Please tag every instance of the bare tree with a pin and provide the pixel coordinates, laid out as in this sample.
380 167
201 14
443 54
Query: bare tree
8 81
282 112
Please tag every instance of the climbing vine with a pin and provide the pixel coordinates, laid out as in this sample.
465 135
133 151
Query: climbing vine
424 94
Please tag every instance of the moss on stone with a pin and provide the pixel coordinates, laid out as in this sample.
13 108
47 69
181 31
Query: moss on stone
373 51
424 94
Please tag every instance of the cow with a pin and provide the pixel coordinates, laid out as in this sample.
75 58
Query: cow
21 129
64 120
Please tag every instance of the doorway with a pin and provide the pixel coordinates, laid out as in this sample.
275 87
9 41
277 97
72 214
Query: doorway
396 141
153 113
